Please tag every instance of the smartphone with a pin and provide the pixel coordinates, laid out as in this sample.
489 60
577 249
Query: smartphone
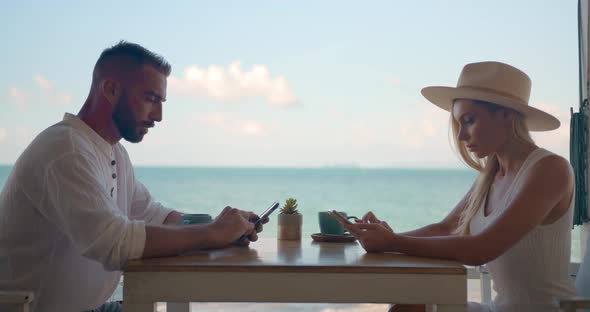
267 212
340 217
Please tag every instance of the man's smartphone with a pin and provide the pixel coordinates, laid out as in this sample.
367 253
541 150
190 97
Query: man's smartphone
340 217
267 212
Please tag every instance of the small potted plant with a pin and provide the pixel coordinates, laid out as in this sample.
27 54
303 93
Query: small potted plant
290 220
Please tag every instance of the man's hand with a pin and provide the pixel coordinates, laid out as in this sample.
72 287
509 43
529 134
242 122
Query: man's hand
252 236
229 226
252 217
173 218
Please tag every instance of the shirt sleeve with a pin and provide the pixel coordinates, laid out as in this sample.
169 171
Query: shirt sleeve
144 207
77 202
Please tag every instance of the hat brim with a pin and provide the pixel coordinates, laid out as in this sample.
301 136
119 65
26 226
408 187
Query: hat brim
536 119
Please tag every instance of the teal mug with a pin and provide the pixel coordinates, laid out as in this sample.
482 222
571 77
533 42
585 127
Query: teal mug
196 218
330 225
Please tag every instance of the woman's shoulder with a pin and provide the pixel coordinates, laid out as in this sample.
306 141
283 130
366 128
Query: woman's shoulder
552 162
551 168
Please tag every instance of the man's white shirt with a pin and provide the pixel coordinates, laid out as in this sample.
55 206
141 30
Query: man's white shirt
71 215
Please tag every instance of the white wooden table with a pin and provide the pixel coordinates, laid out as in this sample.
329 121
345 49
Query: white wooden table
291 271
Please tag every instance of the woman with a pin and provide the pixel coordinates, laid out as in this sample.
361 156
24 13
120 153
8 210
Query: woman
516 218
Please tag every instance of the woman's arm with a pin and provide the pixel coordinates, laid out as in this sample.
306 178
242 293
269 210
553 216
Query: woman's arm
434 229
546 184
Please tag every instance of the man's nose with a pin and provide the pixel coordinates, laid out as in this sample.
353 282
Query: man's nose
156 112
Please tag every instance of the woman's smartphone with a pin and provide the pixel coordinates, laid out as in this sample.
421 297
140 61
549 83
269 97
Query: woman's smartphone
267 212
340 217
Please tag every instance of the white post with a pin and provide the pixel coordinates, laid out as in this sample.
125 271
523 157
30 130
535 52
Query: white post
485 284
178 307
585 16
584 230
139 307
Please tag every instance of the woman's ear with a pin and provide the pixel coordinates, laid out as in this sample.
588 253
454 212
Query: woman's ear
507 115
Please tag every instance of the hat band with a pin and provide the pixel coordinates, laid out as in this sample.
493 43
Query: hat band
494 91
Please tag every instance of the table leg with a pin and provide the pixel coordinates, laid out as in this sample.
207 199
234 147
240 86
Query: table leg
139 307
451 308
178 307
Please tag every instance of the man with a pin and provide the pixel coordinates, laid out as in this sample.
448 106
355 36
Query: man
72 212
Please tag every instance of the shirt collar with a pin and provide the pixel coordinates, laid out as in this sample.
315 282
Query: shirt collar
78 124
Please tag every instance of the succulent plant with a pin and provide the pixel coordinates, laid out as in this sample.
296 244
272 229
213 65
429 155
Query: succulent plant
290 206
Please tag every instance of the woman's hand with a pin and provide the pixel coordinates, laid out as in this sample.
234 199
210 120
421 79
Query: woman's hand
370 217
374 237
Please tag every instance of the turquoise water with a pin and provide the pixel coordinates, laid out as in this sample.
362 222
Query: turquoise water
406 198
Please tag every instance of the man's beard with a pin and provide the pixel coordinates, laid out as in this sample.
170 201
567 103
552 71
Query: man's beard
125 120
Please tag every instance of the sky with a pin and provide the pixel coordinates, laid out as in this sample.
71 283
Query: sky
286 83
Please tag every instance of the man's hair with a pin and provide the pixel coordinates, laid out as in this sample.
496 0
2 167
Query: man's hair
127 57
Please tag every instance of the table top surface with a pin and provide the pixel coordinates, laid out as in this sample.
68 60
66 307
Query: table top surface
271 255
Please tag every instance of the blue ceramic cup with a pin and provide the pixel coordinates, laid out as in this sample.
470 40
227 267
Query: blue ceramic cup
196 218
329 224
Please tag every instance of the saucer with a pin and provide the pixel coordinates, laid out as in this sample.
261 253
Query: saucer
344 238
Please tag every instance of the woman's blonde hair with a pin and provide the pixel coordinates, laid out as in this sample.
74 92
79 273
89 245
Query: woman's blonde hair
487 167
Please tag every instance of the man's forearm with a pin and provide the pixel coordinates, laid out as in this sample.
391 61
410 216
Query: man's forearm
170 240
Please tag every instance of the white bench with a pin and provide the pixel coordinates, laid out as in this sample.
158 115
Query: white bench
485 282
19 300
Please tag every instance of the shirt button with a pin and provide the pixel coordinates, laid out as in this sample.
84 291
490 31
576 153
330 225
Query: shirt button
113 162
114 175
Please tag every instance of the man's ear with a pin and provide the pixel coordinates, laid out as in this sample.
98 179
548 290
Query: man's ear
111 90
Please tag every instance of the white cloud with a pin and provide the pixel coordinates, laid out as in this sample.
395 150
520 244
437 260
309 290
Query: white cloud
418 133
19 97
396 82
557 140
554 110
234 124
24 136
414 137
232 83
62 99
253 128
43 83
47 95
3 134
429 128
362 135
50 94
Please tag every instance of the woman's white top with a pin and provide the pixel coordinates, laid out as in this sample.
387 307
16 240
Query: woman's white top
535 271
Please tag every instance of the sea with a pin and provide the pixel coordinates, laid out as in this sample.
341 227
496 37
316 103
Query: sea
406 198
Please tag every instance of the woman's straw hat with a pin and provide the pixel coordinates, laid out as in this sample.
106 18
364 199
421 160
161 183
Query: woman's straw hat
496 83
